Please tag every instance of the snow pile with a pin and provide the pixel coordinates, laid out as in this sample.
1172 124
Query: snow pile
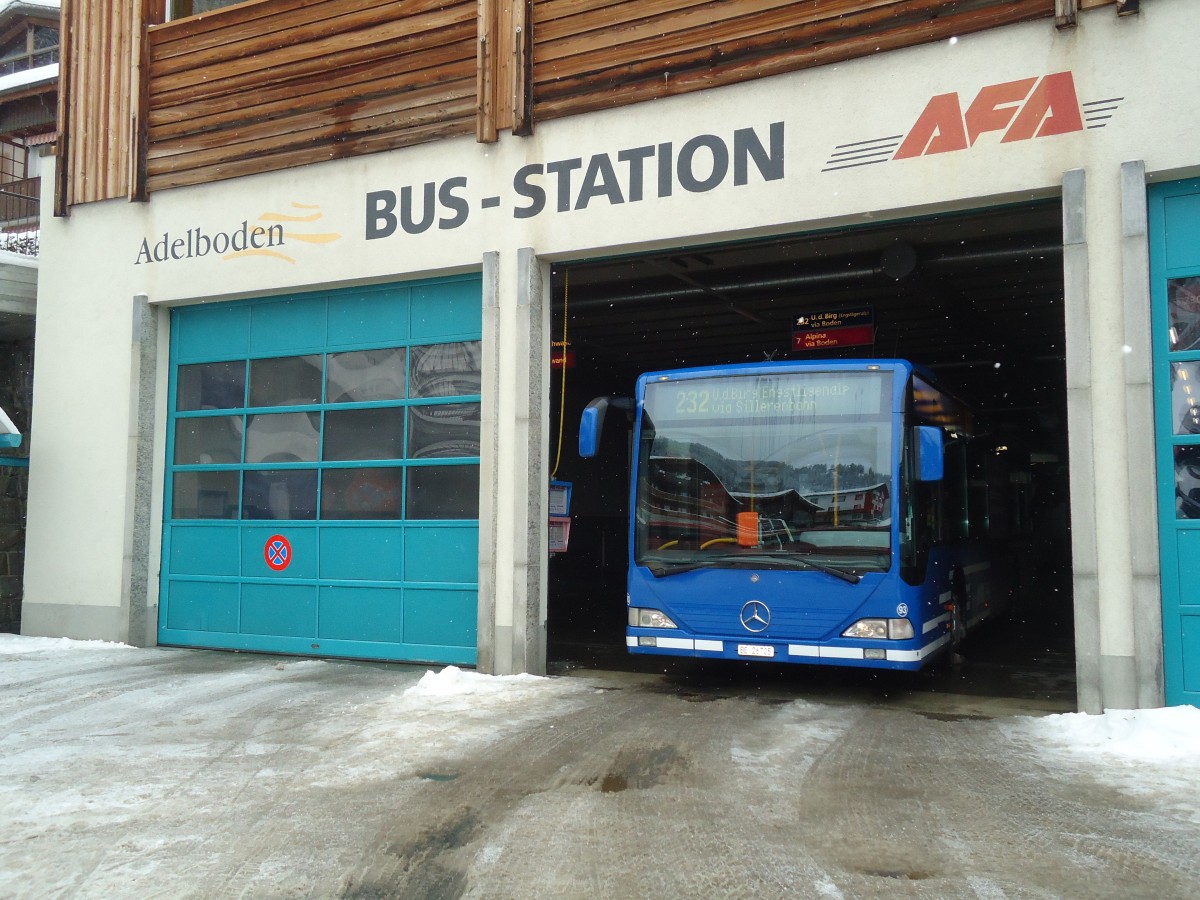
1153 754
1134 735
15 644
454 682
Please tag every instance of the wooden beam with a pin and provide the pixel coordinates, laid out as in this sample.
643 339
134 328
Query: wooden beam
522 90
62 164
485 74
139 122
1066 13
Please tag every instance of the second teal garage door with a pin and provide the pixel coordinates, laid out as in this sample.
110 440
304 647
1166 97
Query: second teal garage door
322 492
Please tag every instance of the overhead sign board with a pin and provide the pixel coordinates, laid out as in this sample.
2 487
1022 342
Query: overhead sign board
834 328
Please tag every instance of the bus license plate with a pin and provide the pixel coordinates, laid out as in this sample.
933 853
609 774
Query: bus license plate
755 650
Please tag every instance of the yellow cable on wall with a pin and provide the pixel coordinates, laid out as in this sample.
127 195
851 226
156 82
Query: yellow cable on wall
562 399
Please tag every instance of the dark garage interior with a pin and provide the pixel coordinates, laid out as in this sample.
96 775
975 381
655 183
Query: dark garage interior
976 297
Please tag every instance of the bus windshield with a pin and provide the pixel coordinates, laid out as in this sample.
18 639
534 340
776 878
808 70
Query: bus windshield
773 470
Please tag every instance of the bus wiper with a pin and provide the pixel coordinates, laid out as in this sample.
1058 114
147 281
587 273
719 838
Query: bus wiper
661 570
844 574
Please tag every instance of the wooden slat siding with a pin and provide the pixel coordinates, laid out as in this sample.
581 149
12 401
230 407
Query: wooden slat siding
765 31
662 36
314 28
97 83
329 123
624 89
178 91
374 144
199 26
318 91
587 71
305 99
290 82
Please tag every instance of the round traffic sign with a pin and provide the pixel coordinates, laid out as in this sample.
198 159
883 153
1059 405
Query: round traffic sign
278 552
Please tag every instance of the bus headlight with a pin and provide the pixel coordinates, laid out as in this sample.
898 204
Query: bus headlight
649 618
880 630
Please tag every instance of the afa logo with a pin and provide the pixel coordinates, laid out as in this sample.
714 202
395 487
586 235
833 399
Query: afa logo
1013 111
1025 109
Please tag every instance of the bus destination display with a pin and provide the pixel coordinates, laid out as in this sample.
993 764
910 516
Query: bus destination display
833 394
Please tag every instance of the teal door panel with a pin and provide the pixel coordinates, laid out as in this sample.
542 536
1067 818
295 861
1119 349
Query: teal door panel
439 617
1174 210
361 614
1180 215
1189 633
362 553
223 333
279 609
288 407
205 550
287 326
367 317
201 606
442 554
443 311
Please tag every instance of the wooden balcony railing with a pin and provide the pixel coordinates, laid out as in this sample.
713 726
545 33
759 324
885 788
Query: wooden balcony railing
20 204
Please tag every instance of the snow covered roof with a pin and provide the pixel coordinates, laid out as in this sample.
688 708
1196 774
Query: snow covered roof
28 77
7 6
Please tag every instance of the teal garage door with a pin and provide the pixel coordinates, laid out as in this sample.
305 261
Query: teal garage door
322 487
1175 297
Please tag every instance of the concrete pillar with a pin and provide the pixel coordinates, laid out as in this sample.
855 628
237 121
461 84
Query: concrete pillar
1139 438
1118 621
142 541
489 471
513 473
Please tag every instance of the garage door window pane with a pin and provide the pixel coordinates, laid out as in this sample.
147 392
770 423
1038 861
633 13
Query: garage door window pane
445 430
365 376
204 495
1185 397
1183 311
283 437
286 381
446 370
280 494
362 493
364 434
207 440
443 492
219 385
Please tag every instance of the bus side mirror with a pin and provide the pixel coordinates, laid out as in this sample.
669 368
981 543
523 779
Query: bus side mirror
591 423
927 443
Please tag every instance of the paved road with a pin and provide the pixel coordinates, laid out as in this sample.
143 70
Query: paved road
194 774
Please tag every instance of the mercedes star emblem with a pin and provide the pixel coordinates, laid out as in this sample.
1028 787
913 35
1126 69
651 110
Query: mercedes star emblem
755 616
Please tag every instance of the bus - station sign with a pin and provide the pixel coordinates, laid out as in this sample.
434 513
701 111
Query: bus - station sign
834 328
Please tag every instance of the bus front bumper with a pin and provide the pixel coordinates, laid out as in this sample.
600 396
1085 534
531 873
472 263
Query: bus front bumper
863 654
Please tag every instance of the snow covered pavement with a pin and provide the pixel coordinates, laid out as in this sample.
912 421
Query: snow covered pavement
170 773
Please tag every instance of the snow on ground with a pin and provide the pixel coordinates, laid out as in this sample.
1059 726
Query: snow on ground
15 644
1153 753
182 753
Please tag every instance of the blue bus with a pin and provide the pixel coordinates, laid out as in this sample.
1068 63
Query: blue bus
811 512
